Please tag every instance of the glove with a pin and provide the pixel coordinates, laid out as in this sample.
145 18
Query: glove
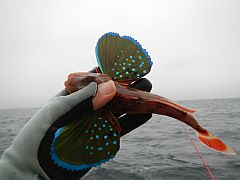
22 159
28 157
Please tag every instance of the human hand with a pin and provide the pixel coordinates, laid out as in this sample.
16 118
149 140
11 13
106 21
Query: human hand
22 160
28 156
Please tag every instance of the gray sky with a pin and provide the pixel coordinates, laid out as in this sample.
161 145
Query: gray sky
194 45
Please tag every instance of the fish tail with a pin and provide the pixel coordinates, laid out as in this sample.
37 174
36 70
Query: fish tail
214 143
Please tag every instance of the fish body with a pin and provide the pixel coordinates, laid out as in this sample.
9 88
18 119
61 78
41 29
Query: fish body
133 101
94 138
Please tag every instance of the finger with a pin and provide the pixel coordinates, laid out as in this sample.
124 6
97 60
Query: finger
62 104
80 95
106 91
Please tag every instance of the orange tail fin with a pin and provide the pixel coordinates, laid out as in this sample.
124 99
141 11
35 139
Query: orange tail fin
214 143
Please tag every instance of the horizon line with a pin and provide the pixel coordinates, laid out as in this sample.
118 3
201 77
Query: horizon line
12 108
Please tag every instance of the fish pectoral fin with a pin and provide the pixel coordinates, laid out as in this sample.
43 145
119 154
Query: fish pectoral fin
214 143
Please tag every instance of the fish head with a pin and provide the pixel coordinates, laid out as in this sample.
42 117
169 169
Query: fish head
79 80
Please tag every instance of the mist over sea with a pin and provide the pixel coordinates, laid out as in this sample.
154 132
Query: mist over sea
160 149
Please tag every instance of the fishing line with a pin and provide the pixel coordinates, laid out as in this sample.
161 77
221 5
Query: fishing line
199 154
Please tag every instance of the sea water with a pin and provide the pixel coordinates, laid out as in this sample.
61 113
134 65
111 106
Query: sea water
161 148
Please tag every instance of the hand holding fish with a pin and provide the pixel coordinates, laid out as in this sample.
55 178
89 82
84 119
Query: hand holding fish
28 157
80 128
123 60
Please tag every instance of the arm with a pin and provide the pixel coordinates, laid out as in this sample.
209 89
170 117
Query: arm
22 160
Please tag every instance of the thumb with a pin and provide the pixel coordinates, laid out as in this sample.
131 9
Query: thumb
106 91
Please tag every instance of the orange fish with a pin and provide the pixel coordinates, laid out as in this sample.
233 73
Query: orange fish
133 101
94 138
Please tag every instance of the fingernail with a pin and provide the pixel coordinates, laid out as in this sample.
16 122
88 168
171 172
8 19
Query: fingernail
107 87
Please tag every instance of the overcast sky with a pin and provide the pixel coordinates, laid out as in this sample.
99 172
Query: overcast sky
194 45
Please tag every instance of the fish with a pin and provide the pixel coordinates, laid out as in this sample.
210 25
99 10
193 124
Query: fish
95 138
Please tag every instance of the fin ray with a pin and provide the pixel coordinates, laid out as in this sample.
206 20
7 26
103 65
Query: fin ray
86 142
122 57
214 143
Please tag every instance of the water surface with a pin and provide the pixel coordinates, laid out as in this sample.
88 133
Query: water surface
161 148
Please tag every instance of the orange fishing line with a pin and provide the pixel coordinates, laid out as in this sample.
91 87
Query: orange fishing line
200 155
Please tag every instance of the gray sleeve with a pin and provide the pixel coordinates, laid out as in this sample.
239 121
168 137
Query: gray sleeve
20 161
